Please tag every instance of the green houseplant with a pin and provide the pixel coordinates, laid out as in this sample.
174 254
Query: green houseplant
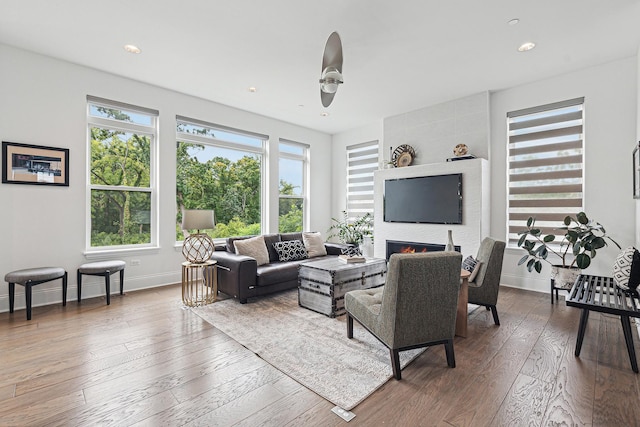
352 232
580 243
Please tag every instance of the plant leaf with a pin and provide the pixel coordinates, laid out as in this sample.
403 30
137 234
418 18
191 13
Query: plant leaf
538 266
582 218
543 252
576 248
583 261
530 221
597 243
549 238
522 239
523 259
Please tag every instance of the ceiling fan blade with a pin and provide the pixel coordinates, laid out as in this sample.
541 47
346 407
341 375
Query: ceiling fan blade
333 52
331 73
326 98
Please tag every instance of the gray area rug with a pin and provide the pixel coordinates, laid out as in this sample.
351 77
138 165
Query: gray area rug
309 347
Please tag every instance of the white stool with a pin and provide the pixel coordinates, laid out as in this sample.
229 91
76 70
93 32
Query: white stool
105 269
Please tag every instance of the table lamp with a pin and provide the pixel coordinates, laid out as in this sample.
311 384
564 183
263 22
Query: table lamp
197 247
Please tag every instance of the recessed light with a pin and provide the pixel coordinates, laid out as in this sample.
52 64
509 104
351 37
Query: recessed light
132 48
252 89
324 114
526 46
301 105
513 21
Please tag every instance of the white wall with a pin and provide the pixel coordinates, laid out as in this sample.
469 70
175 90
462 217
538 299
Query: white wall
610 92
43 102
434 131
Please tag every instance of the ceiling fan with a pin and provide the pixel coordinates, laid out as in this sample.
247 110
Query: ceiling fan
331 69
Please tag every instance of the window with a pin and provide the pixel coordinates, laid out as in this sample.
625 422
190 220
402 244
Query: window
292 186
545 165
219 168
121 175
362 161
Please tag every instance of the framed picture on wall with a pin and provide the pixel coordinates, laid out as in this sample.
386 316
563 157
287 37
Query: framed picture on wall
636 172
34 164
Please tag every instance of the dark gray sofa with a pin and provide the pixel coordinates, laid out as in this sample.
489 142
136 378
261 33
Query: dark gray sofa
240 276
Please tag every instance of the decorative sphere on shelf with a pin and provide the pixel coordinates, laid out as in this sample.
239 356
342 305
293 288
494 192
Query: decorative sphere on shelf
460 150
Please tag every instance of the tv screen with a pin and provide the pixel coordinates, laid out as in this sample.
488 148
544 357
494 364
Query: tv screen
435 199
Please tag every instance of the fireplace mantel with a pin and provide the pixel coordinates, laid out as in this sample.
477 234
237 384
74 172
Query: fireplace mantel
475 207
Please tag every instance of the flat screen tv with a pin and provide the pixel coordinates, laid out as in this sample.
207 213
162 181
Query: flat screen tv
435 199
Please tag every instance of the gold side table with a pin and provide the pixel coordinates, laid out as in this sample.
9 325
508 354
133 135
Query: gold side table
199 283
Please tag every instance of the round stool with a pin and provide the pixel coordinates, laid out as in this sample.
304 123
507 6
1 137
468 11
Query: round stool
34 276
105 269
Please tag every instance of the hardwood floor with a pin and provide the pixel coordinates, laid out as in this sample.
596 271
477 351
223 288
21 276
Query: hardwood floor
145 360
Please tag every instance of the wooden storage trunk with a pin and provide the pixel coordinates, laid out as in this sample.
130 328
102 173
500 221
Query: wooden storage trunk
323 283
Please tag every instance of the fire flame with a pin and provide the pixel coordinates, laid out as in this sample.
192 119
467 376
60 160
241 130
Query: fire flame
410 250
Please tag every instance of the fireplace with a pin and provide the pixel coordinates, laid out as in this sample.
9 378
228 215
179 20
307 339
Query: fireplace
398 246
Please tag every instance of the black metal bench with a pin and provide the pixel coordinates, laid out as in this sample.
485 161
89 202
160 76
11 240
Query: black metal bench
597 293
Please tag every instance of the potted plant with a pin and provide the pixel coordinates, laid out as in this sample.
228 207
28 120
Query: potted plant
352 232
582 238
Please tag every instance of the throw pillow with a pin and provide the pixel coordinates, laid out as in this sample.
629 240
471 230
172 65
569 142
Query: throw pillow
291 250
626 269
314 244
351 250
472 265
253 247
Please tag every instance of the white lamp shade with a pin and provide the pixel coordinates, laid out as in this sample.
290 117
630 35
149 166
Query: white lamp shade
197 219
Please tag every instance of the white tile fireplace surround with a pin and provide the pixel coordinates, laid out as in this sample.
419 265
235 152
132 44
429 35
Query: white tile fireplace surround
475 207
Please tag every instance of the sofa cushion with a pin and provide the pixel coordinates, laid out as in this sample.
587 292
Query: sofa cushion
231 246
269 240
314 244
253 247
291 236
291 250
277 272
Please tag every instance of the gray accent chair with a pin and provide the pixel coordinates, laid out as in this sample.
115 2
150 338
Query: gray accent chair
484 289
415 308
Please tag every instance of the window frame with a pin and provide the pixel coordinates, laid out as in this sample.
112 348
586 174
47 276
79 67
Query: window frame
545 122
151 132
304 158
229 145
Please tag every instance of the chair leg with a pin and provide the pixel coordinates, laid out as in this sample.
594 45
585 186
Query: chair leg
121 282
27 295
12 294
79 286
395 363
107 285
494 311
451 357
349 326
64 289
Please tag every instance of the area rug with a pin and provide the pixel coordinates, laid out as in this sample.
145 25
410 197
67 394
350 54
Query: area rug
309 347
